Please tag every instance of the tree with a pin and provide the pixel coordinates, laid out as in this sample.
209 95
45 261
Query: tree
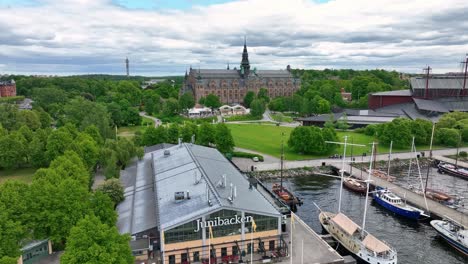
173 133
170 107
28 118
57 206
257 108
186 101
57 142
342 123
11 151
85 146
102 206
187 131
447 136
248 98
263 95
153 136
206 134
309 140
212 101
11 233
322 106
37 148
114 189
223 139
91 241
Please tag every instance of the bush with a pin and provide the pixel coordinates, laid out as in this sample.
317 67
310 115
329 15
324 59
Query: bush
247 155
243 118
463 154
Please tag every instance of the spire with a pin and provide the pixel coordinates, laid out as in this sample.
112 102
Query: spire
245 65
227 66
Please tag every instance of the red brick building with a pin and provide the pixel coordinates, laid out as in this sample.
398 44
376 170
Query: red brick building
7 88
231 85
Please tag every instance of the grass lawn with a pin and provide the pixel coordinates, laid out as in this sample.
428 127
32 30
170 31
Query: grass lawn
130 130
24 175
266 139
279 117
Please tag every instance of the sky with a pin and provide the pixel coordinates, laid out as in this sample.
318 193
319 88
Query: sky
65 37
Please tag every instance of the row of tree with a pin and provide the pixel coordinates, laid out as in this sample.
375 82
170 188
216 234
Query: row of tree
206 134
451 130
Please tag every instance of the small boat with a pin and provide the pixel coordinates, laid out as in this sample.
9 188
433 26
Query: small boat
382 175
453 232
284 194
435 195
357 241
395 204
355 185
453 170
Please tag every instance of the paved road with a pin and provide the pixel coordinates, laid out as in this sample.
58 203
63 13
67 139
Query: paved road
156 121
275 165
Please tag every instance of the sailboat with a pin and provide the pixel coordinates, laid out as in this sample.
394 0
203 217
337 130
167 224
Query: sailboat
354 185
355 238
282 192
396 204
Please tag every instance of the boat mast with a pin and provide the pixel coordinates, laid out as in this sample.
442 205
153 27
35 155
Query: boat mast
282 157
367 190
420 177
389 158
410 161
430 158
342 171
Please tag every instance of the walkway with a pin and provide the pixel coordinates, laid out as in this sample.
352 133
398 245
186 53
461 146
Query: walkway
156 121
434 207
264 166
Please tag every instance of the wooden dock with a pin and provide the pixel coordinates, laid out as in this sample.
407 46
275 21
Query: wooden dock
435 208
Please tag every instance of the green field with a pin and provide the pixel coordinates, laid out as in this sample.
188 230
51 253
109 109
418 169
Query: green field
24 175
279 117
267 139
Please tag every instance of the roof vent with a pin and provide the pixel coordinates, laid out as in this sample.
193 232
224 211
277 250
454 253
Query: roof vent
179 196
167 153
195 176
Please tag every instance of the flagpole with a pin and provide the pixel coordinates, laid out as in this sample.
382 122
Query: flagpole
209 249
292 219
251 245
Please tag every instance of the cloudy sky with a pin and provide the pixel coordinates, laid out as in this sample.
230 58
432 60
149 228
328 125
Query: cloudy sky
166 37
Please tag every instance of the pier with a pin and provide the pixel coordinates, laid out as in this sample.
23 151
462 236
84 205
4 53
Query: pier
435 208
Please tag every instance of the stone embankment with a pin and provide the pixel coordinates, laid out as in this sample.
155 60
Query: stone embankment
289 173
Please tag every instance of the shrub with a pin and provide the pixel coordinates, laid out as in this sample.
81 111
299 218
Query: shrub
247 155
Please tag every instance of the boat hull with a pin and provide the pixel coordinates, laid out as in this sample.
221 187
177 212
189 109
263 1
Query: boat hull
452 242
414 215
442 169
354 188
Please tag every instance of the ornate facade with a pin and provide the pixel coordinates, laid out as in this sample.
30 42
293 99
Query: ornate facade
231 85
7 88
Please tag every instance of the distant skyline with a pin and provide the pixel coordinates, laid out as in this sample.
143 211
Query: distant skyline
64 37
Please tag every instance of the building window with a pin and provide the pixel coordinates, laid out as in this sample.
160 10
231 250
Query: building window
172 259
184 257
223 251
182 233
213 253
224 230
264 223
235 250
249 248
196 256
271 245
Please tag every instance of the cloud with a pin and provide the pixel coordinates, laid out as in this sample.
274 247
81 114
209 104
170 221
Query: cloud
94 36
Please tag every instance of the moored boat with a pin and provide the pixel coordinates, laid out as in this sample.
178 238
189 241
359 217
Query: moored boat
357 241
453 232
395 204
287 197
355 185
453 170
382 175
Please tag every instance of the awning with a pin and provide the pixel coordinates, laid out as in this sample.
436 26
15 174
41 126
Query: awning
345 223
372 243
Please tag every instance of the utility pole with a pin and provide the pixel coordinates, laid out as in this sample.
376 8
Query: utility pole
427 71
282 158
389 158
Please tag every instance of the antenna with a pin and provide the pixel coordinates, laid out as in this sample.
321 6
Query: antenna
127 66
465 74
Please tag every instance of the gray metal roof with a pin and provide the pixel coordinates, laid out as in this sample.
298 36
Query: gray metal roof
33 244
137 212
450 82
188 164
394 93
430 105
321 118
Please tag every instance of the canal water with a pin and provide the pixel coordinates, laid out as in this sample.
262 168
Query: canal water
415 242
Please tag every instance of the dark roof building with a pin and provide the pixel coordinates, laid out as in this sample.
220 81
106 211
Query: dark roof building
231 85
7 88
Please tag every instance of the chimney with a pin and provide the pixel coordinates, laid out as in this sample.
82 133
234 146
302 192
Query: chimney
188 195
235 192
224 180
